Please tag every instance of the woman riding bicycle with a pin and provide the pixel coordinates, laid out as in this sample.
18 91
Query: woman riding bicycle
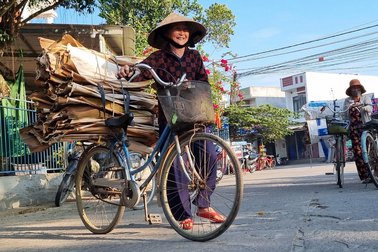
358 116
173 36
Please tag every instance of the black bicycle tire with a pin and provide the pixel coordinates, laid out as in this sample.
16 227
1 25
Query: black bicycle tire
83 161
63 193
373 159
221 228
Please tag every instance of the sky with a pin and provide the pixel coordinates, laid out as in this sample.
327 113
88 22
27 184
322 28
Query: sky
272 24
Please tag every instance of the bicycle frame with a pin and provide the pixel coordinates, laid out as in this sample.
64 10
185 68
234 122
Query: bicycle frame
166 140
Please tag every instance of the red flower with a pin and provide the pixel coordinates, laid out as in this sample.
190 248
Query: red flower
226 69
204 58
207 71
216 106
222 89
224 61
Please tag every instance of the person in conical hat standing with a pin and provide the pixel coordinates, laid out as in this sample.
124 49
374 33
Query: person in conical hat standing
358 116
173 36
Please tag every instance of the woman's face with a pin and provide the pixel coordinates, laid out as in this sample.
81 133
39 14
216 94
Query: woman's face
355 91
179 33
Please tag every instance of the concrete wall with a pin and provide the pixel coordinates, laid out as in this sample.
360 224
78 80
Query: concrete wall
26 190
281 148
256 96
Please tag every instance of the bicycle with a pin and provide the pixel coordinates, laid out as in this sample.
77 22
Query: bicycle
105 183
67 185
339 129
270 161
265 162
369 140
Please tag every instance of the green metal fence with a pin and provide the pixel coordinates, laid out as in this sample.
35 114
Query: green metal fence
16 158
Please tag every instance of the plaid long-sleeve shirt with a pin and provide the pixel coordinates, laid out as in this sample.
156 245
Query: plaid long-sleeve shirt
191 63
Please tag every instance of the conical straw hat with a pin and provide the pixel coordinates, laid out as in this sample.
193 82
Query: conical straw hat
196 30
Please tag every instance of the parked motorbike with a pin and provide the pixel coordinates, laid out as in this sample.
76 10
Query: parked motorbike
281 160
249 161
252 162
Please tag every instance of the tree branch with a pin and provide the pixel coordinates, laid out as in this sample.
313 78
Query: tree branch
22 4
7 7
40 12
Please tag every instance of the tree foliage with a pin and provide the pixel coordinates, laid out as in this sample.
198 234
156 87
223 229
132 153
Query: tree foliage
11 13
271 122
143 16
219 22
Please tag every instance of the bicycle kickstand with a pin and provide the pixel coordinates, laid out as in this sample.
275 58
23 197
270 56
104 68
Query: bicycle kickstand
153 219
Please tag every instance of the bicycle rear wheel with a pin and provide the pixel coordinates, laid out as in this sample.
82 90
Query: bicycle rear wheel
181 198
65 189
98 190
372 155
340 161
272 164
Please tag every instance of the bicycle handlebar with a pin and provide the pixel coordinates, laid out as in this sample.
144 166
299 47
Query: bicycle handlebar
140 66
342 111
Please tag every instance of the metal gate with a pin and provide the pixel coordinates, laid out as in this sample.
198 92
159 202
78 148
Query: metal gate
16 158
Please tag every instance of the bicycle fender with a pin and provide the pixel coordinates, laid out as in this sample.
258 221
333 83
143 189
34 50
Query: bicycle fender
72 166
363 147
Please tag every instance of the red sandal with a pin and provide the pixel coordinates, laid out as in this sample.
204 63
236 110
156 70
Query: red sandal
212 215
186 224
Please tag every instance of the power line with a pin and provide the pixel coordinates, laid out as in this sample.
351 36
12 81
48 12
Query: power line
303 43
358 52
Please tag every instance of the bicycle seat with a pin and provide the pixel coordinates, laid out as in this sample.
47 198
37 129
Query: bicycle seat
126 119
371 124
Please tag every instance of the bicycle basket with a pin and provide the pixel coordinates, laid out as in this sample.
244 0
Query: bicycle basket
183 107
337 126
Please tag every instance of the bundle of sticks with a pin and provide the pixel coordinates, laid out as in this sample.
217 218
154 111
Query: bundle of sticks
71 106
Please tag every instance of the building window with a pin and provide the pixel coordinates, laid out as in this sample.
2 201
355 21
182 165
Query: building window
301 78
298 102
296 80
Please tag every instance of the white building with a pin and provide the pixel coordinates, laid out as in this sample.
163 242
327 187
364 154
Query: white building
310 86
256 96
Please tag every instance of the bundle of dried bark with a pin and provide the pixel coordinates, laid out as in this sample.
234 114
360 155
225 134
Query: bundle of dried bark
71 108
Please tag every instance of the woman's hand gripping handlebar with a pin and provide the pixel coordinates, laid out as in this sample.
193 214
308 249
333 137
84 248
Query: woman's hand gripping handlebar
342 111
134 71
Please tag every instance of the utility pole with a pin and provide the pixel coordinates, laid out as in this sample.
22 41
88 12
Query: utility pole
232 90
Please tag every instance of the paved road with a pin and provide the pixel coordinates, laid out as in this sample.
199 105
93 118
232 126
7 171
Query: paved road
292 208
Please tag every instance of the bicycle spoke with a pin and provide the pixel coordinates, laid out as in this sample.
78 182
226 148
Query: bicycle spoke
182 198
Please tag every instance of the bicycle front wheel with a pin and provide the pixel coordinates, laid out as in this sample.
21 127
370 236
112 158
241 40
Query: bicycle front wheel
372 155
182 198
340 161
99 180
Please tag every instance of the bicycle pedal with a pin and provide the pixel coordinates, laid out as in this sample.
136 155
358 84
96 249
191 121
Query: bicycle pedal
154 219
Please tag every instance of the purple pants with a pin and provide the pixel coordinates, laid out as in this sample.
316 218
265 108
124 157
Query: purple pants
178 193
